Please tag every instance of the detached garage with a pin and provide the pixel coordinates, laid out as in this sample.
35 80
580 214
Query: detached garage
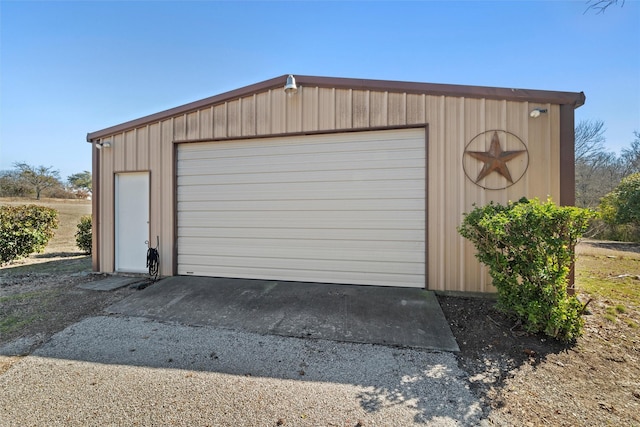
335 180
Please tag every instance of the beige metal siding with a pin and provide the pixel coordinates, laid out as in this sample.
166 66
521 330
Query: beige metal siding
149 148
453 122
339 208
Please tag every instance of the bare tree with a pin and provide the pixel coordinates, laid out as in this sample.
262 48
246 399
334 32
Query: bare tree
598 171
601 5
631 156
39 178
11 185
589 139
597 177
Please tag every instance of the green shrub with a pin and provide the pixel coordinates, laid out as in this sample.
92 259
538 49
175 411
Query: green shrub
83 235
529 249
25 229
620 209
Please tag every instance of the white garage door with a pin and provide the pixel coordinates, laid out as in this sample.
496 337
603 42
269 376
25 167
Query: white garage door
338 208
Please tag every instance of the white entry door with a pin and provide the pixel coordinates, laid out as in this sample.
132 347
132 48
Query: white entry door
132 221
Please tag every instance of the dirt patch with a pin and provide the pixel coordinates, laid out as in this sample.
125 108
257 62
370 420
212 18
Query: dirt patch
38 304
531 380
39 294
34 305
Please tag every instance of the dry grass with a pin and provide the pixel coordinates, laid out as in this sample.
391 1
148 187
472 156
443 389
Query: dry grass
610 272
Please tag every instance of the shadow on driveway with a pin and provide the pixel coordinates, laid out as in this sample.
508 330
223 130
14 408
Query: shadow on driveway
403 317
313 348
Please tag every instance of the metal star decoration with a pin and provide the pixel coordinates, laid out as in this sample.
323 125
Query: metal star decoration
495 159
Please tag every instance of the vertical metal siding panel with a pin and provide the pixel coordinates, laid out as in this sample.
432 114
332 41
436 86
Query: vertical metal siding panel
451 188
378 109
119 152
131 150
192 125
206 123
554 152
310 109
475 274
234 118
436 214
566 156
293 110
397 109
95 208
344 113
326 109
462 248
495 118
263 113
220 121
179 128
474 125
278 111
416 109
360 110
248 111
142 142
107 208
155 193
517 123
167 238
537 135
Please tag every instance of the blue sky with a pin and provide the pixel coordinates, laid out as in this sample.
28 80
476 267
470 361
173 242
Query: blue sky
68 68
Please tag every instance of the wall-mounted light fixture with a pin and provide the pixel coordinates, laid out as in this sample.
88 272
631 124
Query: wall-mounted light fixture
290 87
535 113
103 144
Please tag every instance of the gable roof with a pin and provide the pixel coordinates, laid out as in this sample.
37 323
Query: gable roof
575 99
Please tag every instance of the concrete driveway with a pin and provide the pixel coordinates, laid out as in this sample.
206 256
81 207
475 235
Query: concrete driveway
165 358
404 317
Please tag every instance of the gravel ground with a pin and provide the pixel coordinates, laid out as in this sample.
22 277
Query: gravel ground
125 371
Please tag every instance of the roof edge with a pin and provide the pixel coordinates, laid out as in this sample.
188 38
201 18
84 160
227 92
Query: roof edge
192 106
575 99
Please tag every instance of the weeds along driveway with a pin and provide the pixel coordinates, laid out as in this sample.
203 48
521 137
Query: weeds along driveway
135 371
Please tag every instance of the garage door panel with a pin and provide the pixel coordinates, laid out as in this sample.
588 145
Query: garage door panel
312 265
196 195
319 224
308 167
369 221
310 176
276 147
314 205
302 190
310 161
321 259
380 279
340 208
269 165
299 233
360 250
396 218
